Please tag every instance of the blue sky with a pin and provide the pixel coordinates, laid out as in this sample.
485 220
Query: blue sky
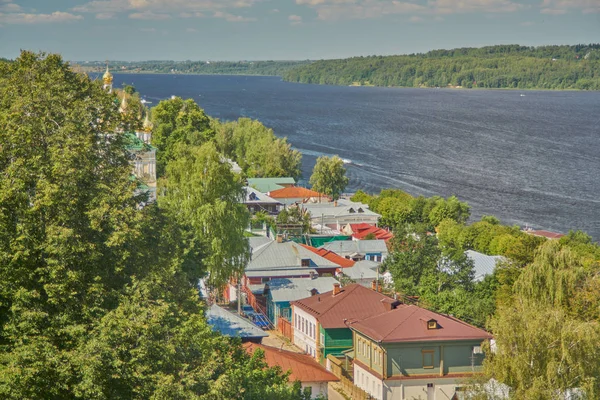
285 29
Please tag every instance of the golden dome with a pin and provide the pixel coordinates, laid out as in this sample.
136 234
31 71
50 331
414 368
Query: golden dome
147 124
107 77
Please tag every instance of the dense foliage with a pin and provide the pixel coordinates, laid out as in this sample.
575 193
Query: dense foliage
503 66
329 176
256 149
272 68
98 296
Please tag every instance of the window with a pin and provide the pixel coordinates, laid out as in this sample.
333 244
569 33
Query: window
427 358
302 324
286 313
295 321
306 262
322 339
432 324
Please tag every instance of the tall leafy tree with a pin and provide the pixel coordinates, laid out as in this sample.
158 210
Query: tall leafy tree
329 176
203 195
178 121
546 339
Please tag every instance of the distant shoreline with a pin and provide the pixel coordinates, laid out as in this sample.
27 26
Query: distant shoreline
354 86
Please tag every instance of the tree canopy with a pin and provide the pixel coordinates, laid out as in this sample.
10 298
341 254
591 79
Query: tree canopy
501 66
98 296
329 176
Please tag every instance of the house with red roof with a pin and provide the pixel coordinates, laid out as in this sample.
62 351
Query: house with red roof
320 322
296 194
409 352
331 256
363 230
302 367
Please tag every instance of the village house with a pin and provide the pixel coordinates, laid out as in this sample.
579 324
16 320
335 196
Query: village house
365 230
281 292
342 262
363 272
260 202
295 195
409 352
371 250
276 259
483 264
335 215
266 185
321 322
232 325
302 368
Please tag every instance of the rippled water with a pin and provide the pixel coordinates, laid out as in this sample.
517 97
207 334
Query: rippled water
531 159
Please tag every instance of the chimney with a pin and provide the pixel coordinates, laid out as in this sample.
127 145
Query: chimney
279 238
374 285
336 289
335 203
390 304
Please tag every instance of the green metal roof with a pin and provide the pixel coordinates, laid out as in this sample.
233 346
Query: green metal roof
134 143
265 185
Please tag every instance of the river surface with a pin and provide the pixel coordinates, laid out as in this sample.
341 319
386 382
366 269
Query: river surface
530 158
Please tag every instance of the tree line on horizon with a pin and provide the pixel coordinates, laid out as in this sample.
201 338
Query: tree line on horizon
491 67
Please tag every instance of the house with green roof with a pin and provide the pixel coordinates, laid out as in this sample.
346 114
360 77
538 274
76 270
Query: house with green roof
266 185
144 161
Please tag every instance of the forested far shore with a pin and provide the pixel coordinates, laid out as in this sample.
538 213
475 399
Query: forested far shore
268 68
497 67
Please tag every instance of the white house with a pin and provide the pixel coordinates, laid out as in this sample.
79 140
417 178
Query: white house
339 213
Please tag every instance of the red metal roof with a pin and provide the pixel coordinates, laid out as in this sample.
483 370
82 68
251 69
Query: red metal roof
304 368
354 302
331 256
408 323
546 234
379 233
294 192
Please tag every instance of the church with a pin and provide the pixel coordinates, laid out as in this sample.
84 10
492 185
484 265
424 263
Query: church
143 154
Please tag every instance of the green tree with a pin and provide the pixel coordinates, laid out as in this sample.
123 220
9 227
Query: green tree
546 343
98 296
329 176
177 121
202 194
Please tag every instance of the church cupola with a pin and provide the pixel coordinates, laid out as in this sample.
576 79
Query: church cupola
108 80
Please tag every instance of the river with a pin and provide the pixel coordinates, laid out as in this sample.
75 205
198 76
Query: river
528 157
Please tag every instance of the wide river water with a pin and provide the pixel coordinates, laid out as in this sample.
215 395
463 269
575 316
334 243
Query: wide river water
530 158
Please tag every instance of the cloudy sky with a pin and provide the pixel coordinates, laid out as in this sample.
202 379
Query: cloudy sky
285 29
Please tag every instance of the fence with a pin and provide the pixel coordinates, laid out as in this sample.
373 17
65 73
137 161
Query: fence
347 386
285 327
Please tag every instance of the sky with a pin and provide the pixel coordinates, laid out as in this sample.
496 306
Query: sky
131 30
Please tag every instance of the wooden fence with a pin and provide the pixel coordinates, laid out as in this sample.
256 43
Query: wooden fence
347 386
285 327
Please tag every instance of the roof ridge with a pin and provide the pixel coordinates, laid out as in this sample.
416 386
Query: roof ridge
401 322
351 290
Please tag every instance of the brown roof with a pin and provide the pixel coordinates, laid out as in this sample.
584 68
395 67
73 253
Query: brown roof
354 302
331 256
294 192
408 323
304 368
546 234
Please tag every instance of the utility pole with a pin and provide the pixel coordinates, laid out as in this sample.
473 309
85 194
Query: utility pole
239 296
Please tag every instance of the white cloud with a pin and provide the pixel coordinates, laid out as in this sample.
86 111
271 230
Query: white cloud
172 7
362 9
9 7
149 15
295 19
24 18
558 7
105 15
553 11
414 18
231 17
